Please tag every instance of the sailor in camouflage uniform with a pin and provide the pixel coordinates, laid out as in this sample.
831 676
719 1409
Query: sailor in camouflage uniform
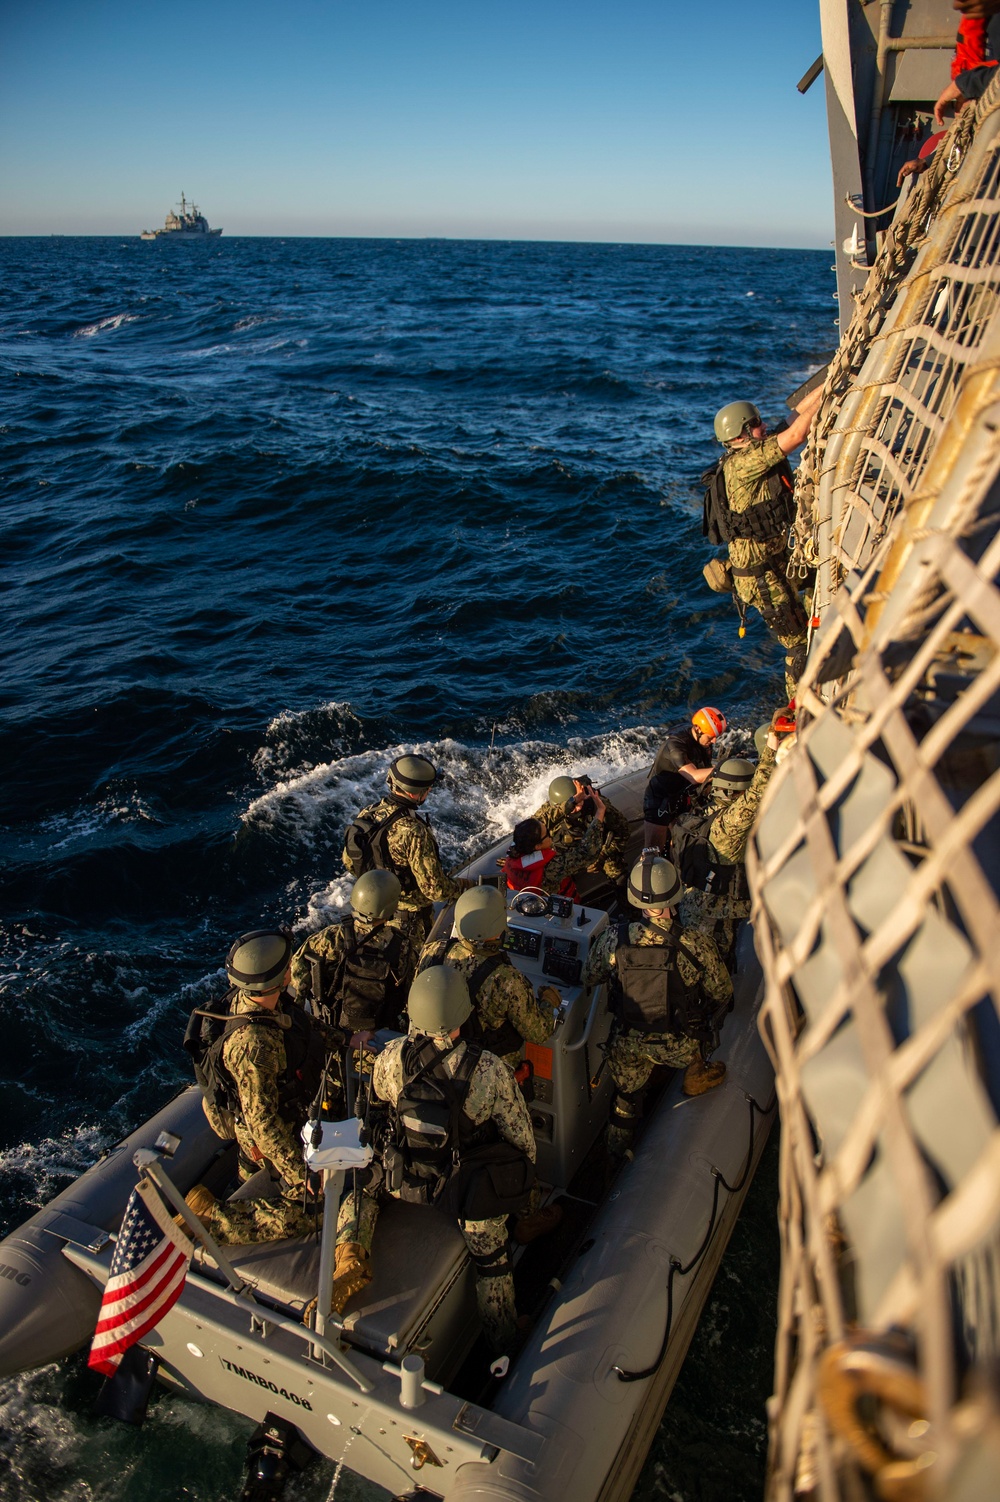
275 1061
759 493
716 857
357 971
407 846
567 812
695 972
439 1004
506 1011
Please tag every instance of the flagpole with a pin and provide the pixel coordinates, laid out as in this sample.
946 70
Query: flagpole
148 1162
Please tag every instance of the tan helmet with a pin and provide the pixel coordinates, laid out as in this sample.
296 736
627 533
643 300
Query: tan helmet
730 421
376 894
734 776
653 882
439 1000
561 790
480 914
411 774
257 961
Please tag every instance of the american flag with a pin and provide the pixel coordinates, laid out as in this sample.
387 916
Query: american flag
151 1259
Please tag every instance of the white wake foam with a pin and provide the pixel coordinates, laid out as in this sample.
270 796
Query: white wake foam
480 797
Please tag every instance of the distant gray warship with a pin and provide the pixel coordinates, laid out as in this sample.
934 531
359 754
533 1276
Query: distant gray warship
189 224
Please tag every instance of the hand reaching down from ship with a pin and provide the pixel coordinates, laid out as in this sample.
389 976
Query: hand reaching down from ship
913 168
951 95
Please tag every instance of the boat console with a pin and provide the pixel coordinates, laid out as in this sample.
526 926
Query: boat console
548 939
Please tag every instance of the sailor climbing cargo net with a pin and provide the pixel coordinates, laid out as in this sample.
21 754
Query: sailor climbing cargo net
875 868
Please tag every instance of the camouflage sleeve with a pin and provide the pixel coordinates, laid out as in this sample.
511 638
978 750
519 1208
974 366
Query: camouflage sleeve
598 964
494 1095
746 467
574 858
387 1072
510 994
255 1057
715 980
412 844
322 945
615 824
433 953
543 815
731 828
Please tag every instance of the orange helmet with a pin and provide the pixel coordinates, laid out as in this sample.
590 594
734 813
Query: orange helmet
709 721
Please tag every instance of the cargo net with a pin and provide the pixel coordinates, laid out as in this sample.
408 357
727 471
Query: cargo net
875 868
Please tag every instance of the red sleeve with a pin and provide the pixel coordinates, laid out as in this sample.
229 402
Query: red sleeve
970 46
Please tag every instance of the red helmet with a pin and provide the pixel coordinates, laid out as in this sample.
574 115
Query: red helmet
711 722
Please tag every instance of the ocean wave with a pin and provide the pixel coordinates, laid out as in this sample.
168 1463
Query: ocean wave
33 1172
104 325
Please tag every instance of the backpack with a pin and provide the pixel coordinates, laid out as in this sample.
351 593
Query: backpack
206 1033
205 1037
359 988
715 506
365 847
691 852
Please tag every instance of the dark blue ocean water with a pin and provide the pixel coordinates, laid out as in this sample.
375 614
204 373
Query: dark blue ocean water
272 511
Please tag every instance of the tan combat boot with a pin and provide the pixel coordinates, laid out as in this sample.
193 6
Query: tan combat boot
352 1271
202 1201
699 1077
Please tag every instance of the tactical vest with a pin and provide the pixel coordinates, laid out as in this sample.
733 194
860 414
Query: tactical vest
764 521
699 867
529 871
438 1155
359 988
647 991
431 1129
305 1053
366 846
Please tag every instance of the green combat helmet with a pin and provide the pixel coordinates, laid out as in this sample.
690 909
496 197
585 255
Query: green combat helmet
480 914
730 421
561 790
439 1000
411 774
257 961
376 895
760 736
653 882
734 775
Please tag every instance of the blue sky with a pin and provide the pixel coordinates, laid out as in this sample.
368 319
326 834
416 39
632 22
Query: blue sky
639 120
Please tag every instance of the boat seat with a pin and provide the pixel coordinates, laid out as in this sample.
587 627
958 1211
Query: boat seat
420 1267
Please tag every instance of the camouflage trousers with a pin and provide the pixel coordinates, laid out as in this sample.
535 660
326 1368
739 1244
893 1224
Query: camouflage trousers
611 861
487 1244
719 917
242 1222
632 1057
779 607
